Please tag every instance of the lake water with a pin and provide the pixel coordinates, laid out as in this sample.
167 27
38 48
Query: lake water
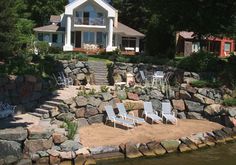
219 155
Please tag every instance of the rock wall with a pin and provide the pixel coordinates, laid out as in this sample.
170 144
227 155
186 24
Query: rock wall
23 91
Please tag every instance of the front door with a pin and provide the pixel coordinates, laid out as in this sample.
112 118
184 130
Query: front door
78 39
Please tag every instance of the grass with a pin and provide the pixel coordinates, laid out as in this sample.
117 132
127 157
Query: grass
71 128
229 102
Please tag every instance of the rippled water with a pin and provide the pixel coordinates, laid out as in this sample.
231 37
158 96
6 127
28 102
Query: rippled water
219 155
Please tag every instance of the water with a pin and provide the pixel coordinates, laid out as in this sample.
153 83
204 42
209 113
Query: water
219 155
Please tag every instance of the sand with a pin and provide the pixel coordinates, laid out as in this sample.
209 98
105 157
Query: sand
102 135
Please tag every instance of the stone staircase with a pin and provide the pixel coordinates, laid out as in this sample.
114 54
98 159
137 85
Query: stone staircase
100 72
48 109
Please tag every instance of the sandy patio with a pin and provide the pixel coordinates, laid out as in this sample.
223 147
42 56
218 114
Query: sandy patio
101 135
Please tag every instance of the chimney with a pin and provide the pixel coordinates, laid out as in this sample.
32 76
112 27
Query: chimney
116 19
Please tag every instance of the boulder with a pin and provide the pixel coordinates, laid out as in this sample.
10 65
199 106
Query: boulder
106 96
54 160
13 134
184 95
171 145
231 111
203 99
70 145
43 153
132 151
53 152
156 104
184 148
67 155
10 151
133 105
79 64
83 151
143 148
156 148
101 107
69 101
80 76
195 115
194 106
213 110
94 102
39 132
66 116
133 96
79 113
32 146
67 70
198 139
190 89
58 138
34 157
155 94
178 105
99 118
189 143
90 111
24 162
103 149
81 101
181 115
144 97
82 122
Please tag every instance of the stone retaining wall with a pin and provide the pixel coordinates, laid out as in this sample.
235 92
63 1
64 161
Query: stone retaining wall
23 91
42 145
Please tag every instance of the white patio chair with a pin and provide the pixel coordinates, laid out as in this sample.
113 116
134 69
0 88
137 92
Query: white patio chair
113 118
125 115
150 113
143 77
167 114
158 77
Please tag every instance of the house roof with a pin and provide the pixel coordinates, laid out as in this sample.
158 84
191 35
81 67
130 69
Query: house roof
127 31
55 18
49 28
187 35
71 6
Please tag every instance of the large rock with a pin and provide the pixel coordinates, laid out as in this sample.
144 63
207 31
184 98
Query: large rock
24 162
133 96
184 148
171 145
133 105
101 107
99 118
13 134
181 115
156 148
67 155
82 122
79 64
58 138
132 151
94 102
189 143
194 106
178 105
143 148
79 113
203 99
156 104
80 76
10 151
190 89
195 115
213 110
90 111
70 145
198 139
184 95
103 149
32 146
106 96
66 116
81 101
39 132
155 94
231 111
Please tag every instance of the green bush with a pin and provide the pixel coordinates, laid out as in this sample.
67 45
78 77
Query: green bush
230 102
71 128
80 57
204 83
201 62
54 50
104 88
43 47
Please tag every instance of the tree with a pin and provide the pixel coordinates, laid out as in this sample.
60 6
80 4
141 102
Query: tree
8 19
41 10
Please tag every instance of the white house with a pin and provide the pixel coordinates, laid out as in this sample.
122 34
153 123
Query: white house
89 24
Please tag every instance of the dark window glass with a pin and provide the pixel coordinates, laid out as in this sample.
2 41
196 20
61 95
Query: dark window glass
54 38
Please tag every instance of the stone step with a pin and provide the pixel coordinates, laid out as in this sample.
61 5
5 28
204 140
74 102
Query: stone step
41 111
36 114
48 107
53 103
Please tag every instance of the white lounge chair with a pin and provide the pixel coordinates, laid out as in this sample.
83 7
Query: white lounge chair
167 114
113 118
149 113
143 77
125 115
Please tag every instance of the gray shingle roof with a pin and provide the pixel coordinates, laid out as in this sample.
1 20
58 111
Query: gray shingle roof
127 31
49 28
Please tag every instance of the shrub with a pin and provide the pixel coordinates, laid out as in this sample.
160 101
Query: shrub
81 57
54 50
201 62
229 102
71 128
199 83
104 88
43 47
